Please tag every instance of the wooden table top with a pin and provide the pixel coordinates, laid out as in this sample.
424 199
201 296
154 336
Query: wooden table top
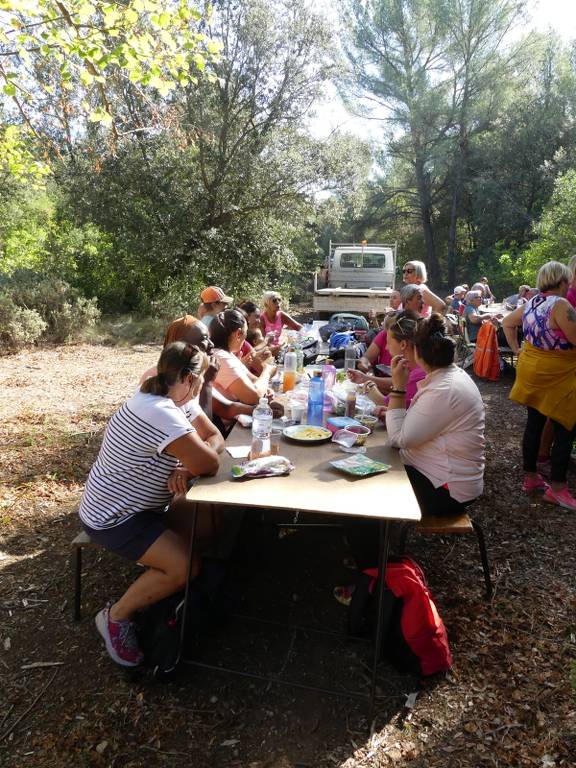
314 485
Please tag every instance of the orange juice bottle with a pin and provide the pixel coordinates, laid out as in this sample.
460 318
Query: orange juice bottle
289 381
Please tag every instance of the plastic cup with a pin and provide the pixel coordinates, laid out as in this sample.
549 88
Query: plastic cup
275 436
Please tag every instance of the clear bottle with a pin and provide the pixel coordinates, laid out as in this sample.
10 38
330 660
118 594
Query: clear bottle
350 356
328 376
290 362
315 400
261 429
299 358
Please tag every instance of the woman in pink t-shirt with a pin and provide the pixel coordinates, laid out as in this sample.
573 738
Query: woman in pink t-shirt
401 330
273 320
234 380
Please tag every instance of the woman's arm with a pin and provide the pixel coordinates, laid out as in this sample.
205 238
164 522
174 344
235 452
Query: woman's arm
369 358
564 315
208 432
475 319
194 454
250 391
289 322
437 304
510 323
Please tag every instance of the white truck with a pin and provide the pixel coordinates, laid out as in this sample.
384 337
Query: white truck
357 277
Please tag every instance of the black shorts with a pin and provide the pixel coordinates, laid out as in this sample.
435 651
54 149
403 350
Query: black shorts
131 538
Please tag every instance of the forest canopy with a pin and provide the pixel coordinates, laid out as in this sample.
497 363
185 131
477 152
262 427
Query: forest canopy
150 148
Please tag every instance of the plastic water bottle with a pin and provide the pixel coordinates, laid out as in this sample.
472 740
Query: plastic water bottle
315 400
350 356
261 429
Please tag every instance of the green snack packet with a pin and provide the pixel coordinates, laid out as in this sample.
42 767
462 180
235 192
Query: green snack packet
360 465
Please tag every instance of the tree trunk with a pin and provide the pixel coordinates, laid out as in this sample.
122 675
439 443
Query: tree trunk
455 205
425 202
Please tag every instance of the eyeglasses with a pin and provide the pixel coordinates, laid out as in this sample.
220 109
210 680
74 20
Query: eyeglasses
405 271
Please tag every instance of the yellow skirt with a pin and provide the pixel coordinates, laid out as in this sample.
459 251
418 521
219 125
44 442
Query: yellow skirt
546 381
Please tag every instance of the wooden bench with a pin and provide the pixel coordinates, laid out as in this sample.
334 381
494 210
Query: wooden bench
457 525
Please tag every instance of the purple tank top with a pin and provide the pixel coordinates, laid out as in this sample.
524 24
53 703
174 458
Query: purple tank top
536 324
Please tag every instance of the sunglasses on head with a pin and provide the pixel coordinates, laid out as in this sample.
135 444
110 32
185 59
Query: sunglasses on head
410 269
405 324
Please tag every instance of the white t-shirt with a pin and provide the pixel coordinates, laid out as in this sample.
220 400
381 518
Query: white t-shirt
231 369
130 474
442 433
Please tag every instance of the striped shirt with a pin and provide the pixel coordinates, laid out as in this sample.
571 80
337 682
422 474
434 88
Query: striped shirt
131 472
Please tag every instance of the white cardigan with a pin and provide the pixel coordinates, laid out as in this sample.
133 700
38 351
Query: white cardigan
442 433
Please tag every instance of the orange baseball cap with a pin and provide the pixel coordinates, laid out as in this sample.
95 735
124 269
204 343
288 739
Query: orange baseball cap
213 293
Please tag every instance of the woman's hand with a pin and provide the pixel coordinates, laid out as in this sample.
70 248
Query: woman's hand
363 364
357 376
400 372
178 481
380 413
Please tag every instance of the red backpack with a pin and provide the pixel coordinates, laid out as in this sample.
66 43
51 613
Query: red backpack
414 638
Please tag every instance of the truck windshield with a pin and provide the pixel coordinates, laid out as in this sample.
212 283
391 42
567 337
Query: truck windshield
364 260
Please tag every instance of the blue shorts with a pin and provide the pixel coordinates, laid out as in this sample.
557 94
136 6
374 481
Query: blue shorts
132 538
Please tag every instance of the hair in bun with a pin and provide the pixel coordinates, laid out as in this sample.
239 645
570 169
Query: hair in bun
433 344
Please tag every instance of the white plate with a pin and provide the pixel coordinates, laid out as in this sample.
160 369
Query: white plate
298 433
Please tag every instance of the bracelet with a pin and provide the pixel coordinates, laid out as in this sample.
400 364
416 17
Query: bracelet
397 392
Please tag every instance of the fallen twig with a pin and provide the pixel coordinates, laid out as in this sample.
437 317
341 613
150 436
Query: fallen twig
7 715
30 708
42 664
164 752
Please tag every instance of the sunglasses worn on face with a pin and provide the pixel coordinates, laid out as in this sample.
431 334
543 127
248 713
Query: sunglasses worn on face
404 271
276 301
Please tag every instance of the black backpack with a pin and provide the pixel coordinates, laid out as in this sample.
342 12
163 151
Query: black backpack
361 622
166 631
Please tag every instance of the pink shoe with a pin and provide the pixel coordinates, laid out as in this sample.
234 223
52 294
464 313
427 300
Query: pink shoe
533 483
120 639
563 498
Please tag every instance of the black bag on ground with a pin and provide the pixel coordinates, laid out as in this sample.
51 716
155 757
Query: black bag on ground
362 621
163 639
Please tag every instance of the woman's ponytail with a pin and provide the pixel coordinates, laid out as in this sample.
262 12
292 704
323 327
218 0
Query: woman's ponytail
433 344
176 361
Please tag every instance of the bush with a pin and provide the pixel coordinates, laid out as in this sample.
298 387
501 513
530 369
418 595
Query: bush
65 312
18 326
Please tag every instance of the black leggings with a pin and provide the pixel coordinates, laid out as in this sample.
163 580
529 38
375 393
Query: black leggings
362 533
561 447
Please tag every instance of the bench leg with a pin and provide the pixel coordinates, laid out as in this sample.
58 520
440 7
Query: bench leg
484 557
77 584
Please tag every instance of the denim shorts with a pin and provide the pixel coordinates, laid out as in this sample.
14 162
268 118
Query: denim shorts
132 538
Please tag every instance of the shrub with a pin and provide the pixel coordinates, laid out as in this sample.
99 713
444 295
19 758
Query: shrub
65 312
18 326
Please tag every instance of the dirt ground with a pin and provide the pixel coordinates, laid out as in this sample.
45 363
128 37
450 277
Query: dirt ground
509 700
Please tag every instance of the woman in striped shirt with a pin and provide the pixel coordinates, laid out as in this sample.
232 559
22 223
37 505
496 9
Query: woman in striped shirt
149 452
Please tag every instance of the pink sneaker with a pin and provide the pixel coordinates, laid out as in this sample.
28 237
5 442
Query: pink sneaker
120 639
533 483
563 498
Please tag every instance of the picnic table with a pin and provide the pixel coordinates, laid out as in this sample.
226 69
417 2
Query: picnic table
315 486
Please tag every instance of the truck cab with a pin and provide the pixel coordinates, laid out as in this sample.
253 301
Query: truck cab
361 266
356 277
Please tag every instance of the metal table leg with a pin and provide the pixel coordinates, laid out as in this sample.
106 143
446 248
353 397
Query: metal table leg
188 577
384 541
